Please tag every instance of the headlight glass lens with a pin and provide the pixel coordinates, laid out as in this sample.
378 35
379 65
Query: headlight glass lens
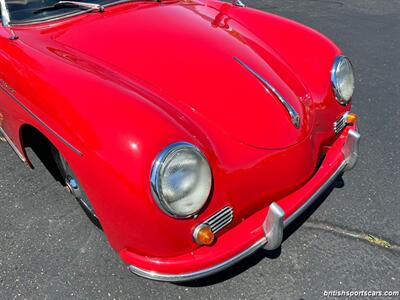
181 180
343 79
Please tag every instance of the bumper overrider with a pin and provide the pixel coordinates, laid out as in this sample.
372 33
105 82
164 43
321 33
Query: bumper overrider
262 230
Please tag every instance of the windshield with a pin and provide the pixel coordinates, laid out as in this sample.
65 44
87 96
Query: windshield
25 11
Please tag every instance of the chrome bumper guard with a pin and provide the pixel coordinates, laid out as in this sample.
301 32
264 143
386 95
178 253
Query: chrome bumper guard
274 223
273 226
351 148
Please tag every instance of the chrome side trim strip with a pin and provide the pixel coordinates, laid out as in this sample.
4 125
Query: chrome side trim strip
10 142
41 122
199 274
290 109
316 195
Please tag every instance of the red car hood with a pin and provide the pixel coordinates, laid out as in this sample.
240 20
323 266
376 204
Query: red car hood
187 52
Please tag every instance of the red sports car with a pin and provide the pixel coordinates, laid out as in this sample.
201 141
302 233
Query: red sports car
193 131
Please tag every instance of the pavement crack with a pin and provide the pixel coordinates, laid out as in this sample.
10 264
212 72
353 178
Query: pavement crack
354 234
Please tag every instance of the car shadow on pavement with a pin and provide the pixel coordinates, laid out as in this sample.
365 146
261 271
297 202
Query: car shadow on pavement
261 254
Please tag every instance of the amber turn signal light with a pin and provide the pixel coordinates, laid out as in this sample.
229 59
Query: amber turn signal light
203 235
351 118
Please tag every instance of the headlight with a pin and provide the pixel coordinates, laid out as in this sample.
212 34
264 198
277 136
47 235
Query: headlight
181 180
342 77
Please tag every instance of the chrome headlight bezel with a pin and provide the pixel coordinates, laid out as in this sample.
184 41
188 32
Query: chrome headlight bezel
335 81
156 174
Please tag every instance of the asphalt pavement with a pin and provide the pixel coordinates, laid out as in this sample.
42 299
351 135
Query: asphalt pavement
349 240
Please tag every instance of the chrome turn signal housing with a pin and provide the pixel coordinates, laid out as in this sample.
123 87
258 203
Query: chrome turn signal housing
203 235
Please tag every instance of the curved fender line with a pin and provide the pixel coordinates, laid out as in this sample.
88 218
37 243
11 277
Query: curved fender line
68 144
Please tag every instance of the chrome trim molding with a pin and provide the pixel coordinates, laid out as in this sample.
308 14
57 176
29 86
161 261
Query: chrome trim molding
155 173
69 145
199 274
294 116
13 146
273 227
238 3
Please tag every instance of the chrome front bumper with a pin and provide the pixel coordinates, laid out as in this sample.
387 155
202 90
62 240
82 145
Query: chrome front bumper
273 226
275 223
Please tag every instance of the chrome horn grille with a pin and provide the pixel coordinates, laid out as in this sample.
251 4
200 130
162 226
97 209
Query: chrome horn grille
340 123
221 219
